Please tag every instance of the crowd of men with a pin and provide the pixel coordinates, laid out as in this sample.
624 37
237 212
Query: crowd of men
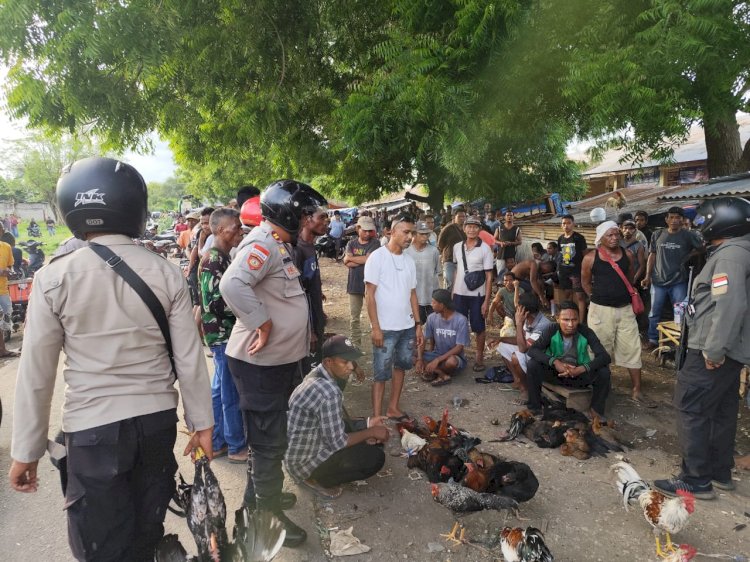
276 396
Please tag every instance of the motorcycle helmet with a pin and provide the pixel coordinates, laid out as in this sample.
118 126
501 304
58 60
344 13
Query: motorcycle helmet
102 195
723 217
283 201
250 214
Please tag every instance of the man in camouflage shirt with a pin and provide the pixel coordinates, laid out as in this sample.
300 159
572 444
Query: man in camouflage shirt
218 321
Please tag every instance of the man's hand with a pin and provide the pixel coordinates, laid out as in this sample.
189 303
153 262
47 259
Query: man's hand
433 365
419 366
646 282
516 284
561 368
263 331
574 372
379 433
23 476
520 316
493 342
378 420
203 439
485 308
377 337
710 365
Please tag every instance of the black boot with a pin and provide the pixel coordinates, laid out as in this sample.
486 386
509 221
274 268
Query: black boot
295 535
288 501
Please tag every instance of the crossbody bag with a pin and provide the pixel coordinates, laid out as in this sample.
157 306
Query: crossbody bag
474 279
635 299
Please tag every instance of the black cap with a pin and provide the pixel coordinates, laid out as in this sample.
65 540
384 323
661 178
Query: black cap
341 346
443 296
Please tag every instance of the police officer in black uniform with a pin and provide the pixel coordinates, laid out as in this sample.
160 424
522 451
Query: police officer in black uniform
718 345
263 288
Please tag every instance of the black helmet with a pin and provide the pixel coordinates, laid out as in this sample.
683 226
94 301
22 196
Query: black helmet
283 201
102 195
723 217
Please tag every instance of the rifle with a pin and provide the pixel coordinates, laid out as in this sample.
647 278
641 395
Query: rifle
689 309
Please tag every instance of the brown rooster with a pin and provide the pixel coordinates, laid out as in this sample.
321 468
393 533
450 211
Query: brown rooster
575 446
476 478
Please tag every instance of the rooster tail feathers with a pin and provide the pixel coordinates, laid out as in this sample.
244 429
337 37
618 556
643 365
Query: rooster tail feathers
258 535
629 483
534 547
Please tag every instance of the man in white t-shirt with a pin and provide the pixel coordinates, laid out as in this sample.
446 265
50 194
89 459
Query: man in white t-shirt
391 297
473 256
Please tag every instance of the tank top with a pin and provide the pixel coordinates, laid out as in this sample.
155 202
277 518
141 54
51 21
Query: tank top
508 235
608 288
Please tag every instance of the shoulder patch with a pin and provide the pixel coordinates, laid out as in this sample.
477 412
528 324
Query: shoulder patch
257 256
719 284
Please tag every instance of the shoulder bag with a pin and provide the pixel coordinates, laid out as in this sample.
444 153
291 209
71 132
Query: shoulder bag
635 298
474 279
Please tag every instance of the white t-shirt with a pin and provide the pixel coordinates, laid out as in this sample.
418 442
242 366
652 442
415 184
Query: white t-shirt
478 258
395 278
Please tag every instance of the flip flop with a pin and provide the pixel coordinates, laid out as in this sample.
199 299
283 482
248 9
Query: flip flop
519 402
440 382
478 368
9 353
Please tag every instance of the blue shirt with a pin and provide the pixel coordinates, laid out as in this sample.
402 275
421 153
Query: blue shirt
337 228
447 334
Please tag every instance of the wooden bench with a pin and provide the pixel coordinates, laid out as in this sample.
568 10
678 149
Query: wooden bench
576 398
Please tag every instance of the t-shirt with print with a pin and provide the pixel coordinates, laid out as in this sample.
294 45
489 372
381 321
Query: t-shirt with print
217 318
395 276
447 333
533 331
671 251
355 284
571 252
478 258
427 262
306 260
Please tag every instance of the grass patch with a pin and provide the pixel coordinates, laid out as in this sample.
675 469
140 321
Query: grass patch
51 243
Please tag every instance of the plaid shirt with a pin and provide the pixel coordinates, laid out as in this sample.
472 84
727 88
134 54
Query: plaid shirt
316 424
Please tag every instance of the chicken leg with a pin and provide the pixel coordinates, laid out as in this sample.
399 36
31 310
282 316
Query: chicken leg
669 547
452 535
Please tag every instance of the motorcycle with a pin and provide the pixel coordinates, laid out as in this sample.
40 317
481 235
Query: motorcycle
325 247
36 256
33 230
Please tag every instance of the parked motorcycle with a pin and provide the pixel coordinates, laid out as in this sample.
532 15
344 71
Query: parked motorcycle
33 230
36 256
325 247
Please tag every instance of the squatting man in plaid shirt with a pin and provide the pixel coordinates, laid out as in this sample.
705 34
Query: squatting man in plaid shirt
326 447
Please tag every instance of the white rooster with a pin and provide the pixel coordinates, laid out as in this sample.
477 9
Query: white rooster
666 515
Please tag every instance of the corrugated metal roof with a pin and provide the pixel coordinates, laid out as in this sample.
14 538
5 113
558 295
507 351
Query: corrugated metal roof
694 149
732 185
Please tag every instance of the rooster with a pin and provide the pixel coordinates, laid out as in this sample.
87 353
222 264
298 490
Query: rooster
514 480
518 421
607 434
666 515
575 445
519 545
460 499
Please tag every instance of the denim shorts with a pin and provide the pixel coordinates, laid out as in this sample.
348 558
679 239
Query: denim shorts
432 355
397 352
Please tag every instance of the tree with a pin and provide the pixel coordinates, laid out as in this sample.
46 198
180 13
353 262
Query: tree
35 164
165 195
363 97
643 71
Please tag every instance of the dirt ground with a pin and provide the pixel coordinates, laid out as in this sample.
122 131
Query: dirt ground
576 506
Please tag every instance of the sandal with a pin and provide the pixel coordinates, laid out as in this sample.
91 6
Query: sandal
320 491
520 401
8 353
478 368
441 382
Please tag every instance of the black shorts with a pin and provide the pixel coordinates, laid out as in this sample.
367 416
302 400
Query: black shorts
570 281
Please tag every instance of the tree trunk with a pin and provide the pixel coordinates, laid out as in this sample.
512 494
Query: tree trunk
722 134
744 165
436 177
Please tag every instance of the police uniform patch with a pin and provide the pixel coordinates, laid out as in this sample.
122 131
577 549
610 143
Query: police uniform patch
719 284
257 256
254 263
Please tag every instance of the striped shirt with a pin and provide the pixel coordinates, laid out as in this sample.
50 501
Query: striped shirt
315 427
